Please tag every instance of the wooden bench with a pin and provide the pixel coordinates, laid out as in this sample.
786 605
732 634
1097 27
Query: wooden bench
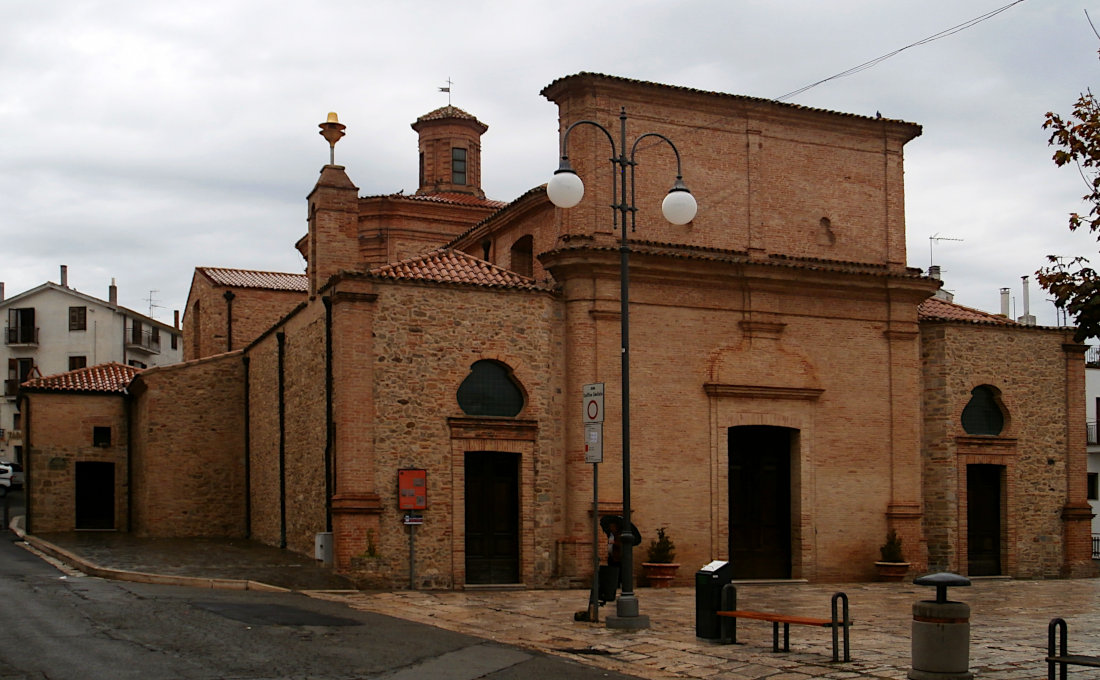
1061 657
836 623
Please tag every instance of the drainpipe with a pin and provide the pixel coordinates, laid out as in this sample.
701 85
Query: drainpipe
128 401
330 481
280 337
247 451
229 295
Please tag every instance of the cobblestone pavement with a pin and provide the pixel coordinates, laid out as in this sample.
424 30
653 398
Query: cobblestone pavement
1008 628
1008 633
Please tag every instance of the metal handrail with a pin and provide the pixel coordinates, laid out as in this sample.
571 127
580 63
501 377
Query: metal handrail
20 335
139 337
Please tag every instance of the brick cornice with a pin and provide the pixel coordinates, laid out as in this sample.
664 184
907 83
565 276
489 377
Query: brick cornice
349 296
1077 512
985 445
493 428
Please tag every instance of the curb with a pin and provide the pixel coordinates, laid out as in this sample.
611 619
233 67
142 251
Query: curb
93 569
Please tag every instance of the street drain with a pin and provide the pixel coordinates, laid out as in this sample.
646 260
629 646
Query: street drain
587 650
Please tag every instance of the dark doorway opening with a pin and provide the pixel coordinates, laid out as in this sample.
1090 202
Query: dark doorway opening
760 501
95 495
983 519
492 517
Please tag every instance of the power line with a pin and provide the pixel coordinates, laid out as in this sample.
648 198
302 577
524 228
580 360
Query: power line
876 61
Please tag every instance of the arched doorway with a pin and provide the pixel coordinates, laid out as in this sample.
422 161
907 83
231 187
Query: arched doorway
760 501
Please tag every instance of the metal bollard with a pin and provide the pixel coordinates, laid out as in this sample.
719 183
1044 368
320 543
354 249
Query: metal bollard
941 632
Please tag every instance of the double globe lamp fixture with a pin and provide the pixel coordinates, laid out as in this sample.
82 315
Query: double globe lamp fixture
566 190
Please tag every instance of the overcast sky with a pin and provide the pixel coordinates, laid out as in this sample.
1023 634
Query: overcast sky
139 140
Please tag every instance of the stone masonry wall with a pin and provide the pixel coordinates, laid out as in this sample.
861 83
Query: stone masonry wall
61 436
289 510
1028 369
188 449
425 340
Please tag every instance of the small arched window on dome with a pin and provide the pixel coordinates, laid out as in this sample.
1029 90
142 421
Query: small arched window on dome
490 390
983 414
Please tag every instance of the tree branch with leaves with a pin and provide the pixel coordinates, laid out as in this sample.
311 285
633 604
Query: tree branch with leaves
1074 284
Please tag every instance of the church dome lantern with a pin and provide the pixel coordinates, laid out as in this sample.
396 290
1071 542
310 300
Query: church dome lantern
450 152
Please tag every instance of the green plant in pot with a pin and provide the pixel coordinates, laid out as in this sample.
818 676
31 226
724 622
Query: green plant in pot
659 567
892 566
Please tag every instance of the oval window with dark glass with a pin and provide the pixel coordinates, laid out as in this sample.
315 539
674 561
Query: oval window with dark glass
490 390
983 415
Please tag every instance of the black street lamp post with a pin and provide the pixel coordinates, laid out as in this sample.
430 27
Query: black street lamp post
565 190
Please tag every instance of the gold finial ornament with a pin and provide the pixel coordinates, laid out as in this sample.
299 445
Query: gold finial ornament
332 130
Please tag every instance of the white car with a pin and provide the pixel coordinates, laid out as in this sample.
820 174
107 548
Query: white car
16 474
6 478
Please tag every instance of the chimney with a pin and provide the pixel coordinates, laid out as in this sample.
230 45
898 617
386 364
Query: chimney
1027 319
942 293
112 293
1006 300
1 291
176 319
64 276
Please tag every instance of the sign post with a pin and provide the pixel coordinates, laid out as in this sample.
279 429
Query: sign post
412 496
592 407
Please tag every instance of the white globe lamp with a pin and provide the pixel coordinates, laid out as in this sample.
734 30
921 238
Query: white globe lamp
679 206
565 189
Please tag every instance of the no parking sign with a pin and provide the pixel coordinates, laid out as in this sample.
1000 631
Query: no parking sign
592 404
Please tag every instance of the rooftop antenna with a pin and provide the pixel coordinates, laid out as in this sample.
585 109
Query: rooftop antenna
153 302
932 241
447 90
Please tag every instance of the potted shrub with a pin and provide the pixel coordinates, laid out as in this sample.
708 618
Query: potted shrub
892 566
659 566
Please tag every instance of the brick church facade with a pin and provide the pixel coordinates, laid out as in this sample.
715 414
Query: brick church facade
797 391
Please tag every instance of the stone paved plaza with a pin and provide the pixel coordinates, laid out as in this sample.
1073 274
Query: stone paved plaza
1008 628
1008 618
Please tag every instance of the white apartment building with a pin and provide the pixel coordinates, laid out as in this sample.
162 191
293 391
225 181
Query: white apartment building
1092 410
53 329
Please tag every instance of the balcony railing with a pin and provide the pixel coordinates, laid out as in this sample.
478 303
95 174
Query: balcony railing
20 335
143 339
1090 429
1092 356
1096 546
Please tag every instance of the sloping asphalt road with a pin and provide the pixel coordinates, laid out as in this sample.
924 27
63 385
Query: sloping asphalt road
58 624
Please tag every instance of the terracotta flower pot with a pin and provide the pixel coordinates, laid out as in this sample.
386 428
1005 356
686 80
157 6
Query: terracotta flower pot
660 574
892 571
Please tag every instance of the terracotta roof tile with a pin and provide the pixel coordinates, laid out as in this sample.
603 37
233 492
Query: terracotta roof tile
246 278
935 309
112 377
448 111
450 198
453 266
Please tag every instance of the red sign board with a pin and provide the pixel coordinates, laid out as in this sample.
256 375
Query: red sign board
412 489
